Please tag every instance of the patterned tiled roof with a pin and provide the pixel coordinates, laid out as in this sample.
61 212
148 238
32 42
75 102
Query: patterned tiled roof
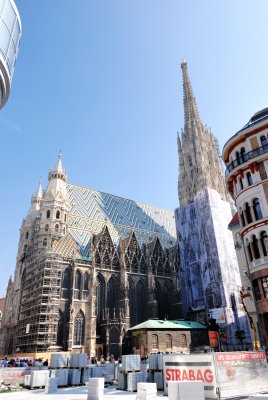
90 210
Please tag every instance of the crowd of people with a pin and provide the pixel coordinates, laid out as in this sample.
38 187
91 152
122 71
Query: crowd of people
23 362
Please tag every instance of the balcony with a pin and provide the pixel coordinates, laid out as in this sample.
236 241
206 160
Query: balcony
246 157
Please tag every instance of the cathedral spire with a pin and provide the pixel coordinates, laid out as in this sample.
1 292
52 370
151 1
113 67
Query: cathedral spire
191 113
199 161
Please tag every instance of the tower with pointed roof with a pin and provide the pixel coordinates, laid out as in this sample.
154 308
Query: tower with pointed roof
209 273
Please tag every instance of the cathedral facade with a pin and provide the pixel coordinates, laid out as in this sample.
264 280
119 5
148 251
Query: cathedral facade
209 273
89 266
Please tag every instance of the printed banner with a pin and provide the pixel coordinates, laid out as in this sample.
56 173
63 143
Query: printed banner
241 373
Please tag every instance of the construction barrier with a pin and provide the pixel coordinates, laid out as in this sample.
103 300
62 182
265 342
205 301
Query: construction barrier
224 374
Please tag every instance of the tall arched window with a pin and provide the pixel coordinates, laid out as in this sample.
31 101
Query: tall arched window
168 342
140 301
183 340
263 239
257 209
45 242
248 213
66 283
58 215
46 227
243 154
237 155
255 247
79 329
154 342
241 183
242 218
85 286
112 297
100 304
77 285
249 179
48 213
250 256
264 142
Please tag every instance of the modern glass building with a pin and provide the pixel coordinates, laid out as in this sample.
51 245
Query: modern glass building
10 34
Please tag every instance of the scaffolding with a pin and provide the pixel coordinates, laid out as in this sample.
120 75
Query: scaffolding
40 296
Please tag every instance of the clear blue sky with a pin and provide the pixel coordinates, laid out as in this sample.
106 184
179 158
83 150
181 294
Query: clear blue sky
101 81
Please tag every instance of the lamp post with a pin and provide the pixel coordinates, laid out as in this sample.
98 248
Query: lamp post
243 295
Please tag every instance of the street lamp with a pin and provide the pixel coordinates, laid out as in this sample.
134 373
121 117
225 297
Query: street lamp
243 295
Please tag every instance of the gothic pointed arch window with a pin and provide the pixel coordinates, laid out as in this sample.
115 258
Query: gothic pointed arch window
167 269
100 302
112 297
79 329
106 262
66 283
257 209
164 297
58 214
134 265
48 213
142 266
77 285
85 286
140 301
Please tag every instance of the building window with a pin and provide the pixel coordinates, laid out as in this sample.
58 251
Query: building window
46 227
27 235
57 215
255 247
243 154
250 256
264 281
85 286
257 209
45 242
241 184
248 214
66 283
56 227
264 142
256 289
242 219
168 342
263 239
155 342
237 157
183 340
48 213
249 179
77 285
79 329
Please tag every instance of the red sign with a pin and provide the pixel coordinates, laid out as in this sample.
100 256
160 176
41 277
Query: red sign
173 374
241 356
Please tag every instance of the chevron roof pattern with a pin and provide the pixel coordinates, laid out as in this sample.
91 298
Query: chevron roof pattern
90 210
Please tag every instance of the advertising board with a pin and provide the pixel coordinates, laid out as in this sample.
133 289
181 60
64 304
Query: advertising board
14 374
241 373
191 367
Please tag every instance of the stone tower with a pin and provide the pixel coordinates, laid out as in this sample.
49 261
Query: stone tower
209 273
200 165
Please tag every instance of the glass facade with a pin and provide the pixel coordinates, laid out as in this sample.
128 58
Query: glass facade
10 33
